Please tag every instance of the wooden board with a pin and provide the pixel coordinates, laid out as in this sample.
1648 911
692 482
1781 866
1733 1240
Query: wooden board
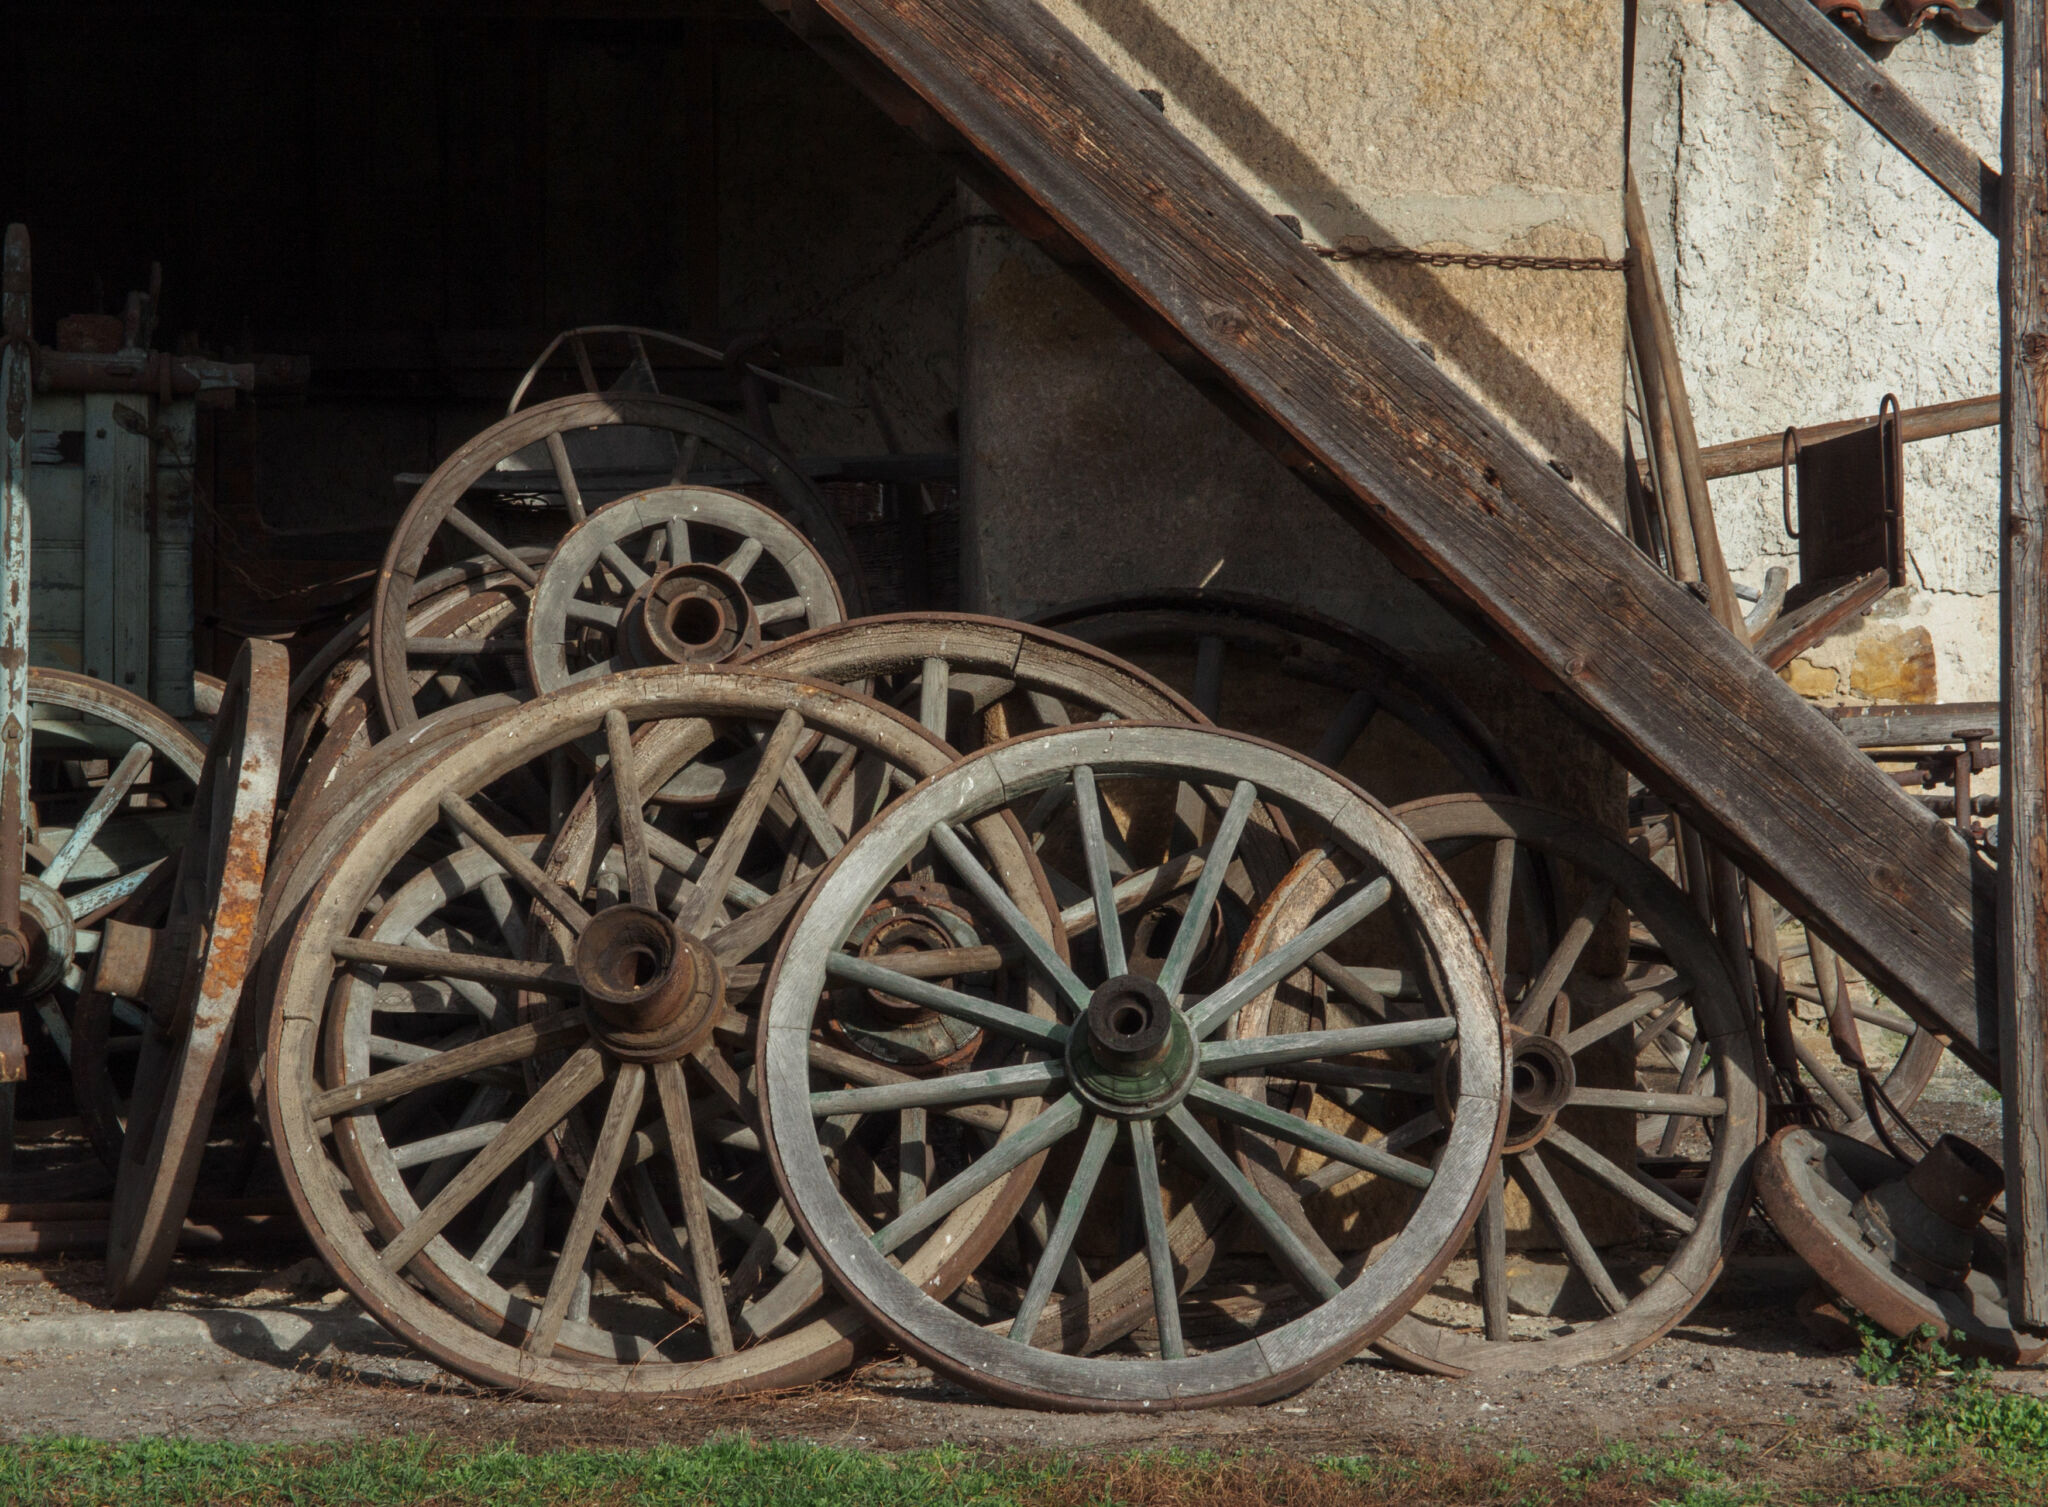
2023 614
1078 161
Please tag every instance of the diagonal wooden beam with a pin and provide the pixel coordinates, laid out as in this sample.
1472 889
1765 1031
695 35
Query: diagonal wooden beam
1079 162
1871 93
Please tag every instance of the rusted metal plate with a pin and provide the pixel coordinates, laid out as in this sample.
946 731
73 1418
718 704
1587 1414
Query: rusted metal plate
13 1050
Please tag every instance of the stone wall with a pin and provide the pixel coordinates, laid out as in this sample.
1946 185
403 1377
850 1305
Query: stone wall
1812 270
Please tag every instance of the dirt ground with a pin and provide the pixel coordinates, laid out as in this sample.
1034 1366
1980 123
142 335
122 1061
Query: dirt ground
261 1348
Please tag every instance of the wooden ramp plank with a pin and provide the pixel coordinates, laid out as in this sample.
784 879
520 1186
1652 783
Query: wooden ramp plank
1077 160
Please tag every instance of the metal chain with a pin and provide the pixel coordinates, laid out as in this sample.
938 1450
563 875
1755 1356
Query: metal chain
1412 257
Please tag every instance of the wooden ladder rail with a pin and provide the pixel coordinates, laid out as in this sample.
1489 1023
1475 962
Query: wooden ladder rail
1077 161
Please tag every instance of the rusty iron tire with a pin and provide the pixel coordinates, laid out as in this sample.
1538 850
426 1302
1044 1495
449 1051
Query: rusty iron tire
1149 1026
212 936
1808 1181
464 1318
97 722
685 435
598 604
1688 992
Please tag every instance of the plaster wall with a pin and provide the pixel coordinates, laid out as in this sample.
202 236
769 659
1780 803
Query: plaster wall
1811 270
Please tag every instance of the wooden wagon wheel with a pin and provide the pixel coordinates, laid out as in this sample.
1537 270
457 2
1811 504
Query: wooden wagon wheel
1140 1070
111 782
1624 1062
627 957
534 475
189 975
1340 696
675 575
1816 974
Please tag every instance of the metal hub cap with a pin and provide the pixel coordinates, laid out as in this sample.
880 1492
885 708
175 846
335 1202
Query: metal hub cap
1133 1055
47 941
653 993
690 614
1540 1083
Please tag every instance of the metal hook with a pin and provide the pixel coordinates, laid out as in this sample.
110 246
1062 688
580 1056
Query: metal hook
1788 457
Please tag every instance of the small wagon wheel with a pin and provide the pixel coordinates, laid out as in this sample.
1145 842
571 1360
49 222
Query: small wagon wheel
534 475
676 575
1340 696
111 783
1623 1063
189 976
562 1079
1139 1077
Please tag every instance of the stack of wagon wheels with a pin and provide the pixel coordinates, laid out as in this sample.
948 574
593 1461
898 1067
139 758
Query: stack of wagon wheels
651 975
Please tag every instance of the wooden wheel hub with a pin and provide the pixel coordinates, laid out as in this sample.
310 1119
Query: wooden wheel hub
45 943
1132 1055
690 614
908 918
653 993
1540 1083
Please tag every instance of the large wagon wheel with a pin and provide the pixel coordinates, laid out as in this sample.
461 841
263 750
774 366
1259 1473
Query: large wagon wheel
675 575
110 786
537 473
1627 1059
1148 1072
479 1075
1340 696
189 976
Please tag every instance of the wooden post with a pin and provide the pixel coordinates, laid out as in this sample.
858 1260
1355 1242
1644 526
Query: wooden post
2023 616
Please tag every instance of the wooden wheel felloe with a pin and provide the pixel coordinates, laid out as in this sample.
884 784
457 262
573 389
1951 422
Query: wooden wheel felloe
534 475
676 575
1278 671
189 976
1633 1073
1139 1093
510 1055
110 784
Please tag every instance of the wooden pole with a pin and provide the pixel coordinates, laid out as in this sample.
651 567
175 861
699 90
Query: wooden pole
2023 617
1764 452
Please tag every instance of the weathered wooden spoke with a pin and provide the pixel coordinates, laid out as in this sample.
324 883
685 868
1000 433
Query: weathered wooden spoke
527 1136
586 454
1072 1308
1594 1096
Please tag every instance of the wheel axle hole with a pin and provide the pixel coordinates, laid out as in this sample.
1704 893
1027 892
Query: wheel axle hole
1130 1018
696 621
635 968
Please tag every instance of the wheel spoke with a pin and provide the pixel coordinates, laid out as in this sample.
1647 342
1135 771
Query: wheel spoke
1158 1253
569 1276
944 1001
1073 1207
101 898
742 560
578 1076
1012 919
1088 807
1491 1237
565 478
580 611
491 545
825 832
110 796
623 771
781 610
472 823
934 690
546 978
515 1045
1535 1180
1653 1199
517 1211
682 1154
1627 1013
678 541
1306 1272
1500 892
1283 960
1219 1057
1003 1158
706 906
1537 999
1638 1101
1345 728
1412 1132
1244 1110
951 1088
